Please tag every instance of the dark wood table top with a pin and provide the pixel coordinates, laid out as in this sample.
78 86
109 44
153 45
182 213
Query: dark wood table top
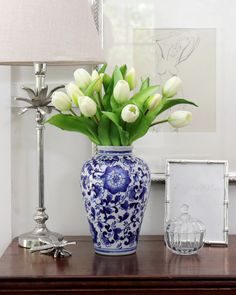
152 268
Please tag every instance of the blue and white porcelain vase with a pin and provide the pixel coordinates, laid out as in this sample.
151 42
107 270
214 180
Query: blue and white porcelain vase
115 187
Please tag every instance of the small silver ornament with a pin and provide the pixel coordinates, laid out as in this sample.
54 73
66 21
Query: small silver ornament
53 247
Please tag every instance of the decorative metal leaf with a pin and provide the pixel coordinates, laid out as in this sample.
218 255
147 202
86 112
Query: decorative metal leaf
47 101
43 93
25 100
47 251
30 92
24 110
55 89
39 100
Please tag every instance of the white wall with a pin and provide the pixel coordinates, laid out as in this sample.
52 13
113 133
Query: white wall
5 158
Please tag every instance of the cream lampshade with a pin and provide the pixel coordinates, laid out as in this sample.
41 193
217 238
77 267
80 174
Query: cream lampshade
60 32
46 32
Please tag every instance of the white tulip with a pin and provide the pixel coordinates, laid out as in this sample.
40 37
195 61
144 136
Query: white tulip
121 91
131 78
153 101
61 101
172 86
96 76
82 78
130 113
74 92
180 119
87 106
80 99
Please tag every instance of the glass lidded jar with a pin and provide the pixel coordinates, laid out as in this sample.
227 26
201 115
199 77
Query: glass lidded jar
184 235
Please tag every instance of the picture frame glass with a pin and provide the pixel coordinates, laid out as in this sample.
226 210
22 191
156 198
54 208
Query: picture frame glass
203 186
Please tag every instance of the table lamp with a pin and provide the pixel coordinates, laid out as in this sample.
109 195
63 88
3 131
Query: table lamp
41 33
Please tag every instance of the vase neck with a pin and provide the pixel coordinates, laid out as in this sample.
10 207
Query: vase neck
114 150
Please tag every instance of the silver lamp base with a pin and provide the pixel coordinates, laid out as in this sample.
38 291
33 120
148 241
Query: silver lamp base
39 99
32 239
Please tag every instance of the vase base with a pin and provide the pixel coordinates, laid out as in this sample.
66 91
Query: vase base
114 252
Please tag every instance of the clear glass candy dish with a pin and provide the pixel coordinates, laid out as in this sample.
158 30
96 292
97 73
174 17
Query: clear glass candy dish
184 235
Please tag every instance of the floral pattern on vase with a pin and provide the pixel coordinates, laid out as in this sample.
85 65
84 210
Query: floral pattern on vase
115 187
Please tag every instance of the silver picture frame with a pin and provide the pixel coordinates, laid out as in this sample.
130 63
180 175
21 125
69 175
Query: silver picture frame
203 185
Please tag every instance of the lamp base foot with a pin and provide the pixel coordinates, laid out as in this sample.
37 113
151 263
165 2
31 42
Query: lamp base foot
32 239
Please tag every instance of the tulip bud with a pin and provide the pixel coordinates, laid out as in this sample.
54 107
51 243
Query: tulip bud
61 101
87 106
130 113
82 78
74 92
153 101
80 99
98 85
180 119
131 78
95 75
121 91
172 86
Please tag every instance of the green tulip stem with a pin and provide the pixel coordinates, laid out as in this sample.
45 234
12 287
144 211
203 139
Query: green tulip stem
73 112
96 119
100 101
159 122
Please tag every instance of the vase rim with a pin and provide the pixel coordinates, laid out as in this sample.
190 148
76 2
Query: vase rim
115 149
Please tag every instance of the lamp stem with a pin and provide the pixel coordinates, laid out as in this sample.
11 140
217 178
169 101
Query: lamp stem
40 157
40 73
40 70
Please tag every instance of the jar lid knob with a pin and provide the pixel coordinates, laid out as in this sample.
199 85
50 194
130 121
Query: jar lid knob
184 216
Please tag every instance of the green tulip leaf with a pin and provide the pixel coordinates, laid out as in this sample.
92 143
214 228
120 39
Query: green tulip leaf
117 75
140 97
104 131
123 70
78 124
106 80
108 94
114 104
90 90
113 117
115 135
124 135
165 105
138 129
107 97
102 69
145 84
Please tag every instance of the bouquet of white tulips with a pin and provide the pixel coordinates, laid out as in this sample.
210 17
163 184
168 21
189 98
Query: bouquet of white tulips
110 111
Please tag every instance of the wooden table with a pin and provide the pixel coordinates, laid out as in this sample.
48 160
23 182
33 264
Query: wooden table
152 270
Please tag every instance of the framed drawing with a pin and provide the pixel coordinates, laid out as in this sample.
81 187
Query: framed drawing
203 185
187 43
